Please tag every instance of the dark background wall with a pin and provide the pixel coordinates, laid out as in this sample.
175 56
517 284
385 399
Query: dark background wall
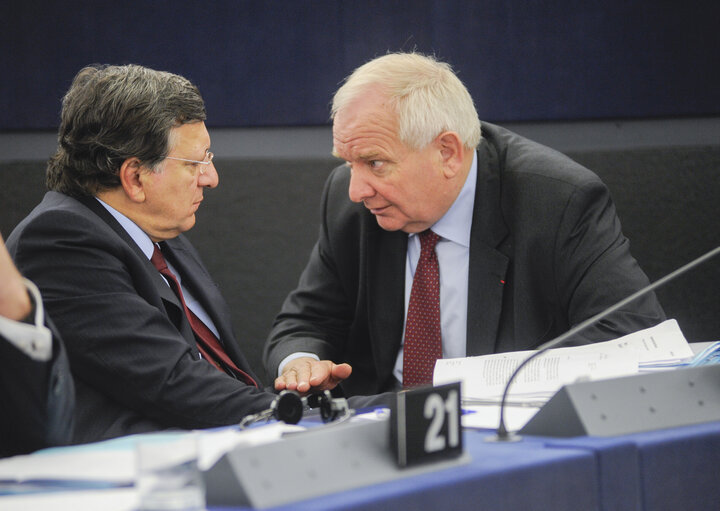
263 65
256 230
276 63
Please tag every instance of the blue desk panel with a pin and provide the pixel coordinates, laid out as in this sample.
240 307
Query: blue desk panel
617 467
680 468
675 469
524 476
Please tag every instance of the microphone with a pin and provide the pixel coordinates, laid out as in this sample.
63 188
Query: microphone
289 408
330 408
502 434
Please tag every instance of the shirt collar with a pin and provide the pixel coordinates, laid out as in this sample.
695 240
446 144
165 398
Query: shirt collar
138 235
456 223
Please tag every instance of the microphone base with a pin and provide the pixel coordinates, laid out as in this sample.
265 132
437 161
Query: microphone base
507 437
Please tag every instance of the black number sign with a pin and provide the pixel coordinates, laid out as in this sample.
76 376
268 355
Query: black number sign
426 424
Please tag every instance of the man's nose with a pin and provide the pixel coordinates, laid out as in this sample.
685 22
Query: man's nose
360 189
210 177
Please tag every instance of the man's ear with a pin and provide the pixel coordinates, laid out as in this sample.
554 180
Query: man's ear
452 152
132 179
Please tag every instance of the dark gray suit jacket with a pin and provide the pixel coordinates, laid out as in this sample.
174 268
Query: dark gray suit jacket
546 252
131 349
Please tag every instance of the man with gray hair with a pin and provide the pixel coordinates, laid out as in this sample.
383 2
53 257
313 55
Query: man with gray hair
148 335
442 237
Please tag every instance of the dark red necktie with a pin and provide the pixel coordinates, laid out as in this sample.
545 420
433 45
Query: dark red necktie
423 340
207 343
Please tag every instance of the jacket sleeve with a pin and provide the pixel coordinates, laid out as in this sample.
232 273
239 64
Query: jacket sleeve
594 267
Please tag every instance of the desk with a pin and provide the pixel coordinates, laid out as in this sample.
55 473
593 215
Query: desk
661 470
500 476
669 470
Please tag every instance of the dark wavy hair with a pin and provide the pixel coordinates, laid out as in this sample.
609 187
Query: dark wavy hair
111 113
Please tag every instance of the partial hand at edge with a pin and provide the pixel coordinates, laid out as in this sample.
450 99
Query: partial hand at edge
14 299
306 375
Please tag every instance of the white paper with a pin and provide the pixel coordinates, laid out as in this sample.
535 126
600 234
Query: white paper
484 378
662 343
121 499
213 445
112 466
113 461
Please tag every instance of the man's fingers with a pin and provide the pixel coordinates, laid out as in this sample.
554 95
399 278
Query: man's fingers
305 375
321 373
288 381
296 375
326 375
341 372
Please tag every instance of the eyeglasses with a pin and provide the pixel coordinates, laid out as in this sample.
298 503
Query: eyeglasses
208 159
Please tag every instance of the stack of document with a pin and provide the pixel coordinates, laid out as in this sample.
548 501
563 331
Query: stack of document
483 379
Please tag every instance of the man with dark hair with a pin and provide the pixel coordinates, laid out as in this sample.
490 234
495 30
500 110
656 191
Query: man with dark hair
442 237
148 334
36 389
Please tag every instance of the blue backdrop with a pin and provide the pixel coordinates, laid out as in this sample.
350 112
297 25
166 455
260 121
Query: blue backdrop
277 63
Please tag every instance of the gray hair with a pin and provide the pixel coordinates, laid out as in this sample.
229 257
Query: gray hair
112 113
427 96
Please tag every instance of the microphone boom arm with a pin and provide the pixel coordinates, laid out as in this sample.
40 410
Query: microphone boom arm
502 433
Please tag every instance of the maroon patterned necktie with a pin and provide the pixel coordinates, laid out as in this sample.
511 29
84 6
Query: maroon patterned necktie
423 342
207 343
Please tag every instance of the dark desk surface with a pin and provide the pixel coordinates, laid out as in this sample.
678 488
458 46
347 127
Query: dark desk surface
660 470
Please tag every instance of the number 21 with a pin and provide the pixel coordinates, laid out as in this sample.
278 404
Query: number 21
436 409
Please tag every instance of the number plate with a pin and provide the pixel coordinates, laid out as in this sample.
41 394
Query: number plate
425 424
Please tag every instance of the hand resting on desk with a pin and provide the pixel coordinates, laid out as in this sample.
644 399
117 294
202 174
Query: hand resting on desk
306 374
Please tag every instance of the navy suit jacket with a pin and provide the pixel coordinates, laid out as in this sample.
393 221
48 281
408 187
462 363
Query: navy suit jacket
546 252
131 349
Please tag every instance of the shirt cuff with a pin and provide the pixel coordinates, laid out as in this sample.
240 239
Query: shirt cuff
35 340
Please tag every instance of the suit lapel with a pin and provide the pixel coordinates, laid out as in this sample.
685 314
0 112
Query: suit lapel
488 266
198 281
160 285
385 264
173 307
194 276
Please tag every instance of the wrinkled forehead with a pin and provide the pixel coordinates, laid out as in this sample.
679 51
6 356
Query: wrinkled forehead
367 120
